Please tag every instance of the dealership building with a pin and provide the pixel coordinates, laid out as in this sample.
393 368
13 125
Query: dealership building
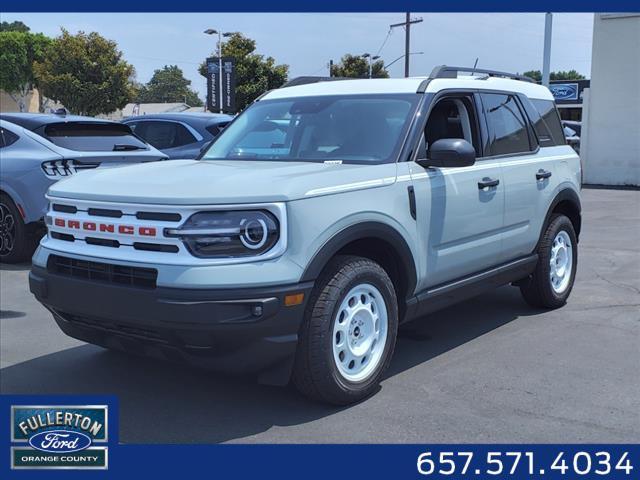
610 139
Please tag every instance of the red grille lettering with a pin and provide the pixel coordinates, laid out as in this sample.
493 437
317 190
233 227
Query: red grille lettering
125 229
104 227
148 231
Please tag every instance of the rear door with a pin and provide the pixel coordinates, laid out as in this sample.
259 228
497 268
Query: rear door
459 210
528 165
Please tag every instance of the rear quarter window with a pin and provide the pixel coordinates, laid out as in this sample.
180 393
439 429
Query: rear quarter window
93 137
7 138
546 122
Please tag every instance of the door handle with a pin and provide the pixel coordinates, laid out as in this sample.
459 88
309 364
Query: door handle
542 174
487 182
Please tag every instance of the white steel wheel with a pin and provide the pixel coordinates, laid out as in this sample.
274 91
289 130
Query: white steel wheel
360 333
561 262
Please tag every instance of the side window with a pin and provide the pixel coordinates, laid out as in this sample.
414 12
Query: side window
508 127
452 117
7 138
163 135
549 123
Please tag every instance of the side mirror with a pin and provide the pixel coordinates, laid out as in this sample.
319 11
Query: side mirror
450 152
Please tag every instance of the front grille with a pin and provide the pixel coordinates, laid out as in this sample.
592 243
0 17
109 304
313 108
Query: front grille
105 242
63 236
159 216
64 208
104 212
155 247
103 272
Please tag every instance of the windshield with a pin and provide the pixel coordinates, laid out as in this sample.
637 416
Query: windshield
352 129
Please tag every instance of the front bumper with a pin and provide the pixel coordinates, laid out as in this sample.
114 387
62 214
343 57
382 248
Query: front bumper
232 330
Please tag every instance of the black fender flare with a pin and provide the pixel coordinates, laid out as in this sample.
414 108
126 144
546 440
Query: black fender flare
359 231
572 197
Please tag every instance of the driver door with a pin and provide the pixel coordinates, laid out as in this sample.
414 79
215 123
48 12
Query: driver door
459 216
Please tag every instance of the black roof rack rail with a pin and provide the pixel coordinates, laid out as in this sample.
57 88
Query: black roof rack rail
308 79
445 71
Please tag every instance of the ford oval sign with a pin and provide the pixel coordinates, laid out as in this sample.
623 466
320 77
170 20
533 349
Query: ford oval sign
60 441
564 91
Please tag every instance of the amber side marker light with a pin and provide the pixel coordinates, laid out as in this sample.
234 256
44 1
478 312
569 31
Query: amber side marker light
295 299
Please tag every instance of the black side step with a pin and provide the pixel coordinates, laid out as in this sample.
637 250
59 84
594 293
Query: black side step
444 295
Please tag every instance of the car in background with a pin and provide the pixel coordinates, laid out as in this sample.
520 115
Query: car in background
36 150
572 132
178 135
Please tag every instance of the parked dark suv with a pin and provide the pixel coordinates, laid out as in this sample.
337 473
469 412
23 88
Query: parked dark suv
178 135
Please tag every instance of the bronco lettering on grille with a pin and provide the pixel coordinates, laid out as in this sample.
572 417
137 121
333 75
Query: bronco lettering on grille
105 227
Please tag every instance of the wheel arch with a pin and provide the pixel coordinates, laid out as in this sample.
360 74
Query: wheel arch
377 241
566 202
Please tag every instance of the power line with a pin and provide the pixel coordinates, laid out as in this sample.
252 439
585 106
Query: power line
384 42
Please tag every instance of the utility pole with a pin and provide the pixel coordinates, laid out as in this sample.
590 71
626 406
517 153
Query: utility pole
546 56
407 38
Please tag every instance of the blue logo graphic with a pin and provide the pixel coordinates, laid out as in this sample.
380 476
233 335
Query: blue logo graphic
564 91
60 441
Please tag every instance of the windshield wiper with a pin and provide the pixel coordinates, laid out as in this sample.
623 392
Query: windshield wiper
123 147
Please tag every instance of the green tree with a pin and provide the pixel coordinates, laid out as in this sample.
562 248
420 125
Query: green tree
168 85
16 26
560 75
255 74
86 73
356 66
18 53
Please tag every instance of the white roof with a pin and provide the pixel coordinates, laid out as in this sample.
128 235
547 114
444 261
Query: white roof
410 85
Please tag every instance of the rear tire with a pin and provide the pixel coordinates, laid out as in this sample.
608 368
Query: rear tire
552 280
349 332
17 241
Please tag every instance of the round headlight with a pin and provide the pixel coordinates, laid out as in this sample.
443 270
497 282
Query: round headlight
228 234
254 233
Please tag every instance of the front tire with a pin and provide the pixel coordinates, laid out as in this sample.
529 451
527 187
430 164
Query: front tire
349 332
552 280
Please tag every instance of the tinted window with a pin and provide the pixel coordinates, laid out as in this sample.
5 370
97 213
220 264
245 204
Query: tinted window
163 135
7 137
453 117
548 124
93 137
508 128
217 128
357 129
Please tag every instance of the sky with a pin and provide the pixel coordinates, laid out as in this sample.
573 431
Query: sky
307 41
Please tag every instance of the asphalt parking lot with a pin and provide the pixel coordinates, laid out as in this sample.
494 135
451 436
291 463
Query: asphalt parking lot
489 370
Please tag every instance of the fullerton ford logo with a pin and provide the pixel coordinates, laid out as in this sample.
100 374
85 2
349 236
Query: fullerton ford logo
60 441
564 91
59 436
100 227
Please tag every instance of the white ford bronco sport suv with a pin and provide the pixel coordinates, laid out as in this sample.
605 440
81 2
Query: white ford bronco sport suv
324 216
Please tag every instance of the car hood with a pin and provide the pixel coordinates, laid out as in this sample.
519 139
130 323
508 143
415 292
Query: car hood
200 182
